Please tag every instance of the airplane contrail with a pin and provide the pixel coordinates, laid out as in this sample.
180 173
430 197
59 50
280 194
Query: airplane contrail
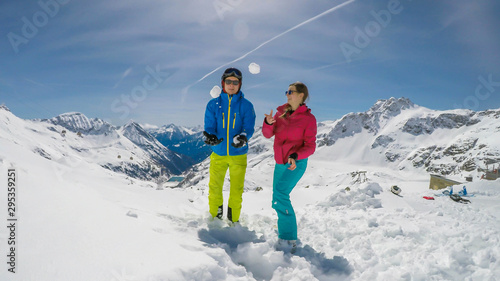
272 39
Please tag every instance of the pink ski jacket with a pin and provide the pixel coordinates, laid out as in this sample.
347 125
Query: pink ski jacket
295 133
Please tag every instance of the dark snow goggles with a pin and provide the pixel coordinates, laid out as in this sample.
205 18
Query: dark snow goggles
232 72
229 82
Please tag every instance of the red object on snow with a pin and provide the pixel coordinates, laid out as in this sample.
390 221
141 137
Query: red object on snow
429 197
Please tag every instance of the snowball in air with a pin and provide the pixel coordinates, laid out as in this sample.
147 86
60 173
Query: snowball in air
254 68
215 92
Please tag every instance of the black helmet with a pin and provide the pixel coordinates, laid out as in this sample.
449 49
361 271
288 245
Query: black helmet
232 72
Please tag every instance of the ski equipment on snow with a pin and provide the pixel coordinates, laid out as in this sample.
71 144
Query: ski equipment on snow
457 198
461 193
395 189
464 193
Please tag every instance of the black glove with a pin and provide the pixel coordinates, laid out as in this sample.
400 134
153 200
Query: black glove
211 139
239 140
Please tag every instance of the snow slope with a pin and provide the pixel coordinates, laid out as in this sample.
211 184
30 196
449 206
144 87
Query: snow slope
83 222
128 149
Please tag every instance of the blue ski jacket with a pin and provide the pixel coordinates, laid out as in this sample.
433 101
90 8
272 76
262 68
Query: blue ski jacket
227 116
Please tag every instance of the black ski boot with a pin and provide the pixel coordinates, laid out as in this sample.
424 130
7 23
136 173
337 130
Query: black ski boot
230 215
220 211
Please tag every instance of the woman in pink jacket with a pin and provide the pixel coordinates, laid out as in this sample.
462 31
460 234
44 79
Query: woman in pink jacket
294 129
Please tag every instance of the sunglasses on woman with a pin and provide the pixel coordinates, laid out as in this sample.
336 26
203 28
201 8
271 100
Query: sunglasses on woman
289 92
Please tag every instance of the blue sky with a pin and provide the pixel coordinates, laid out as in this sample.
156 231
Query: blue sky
155 62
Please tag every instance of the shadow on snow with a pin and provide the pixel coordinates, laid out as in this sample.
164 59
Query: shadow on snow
259 257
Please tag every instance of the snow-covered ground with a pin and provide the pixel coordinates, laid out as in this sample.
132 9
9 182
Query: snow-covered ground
89 223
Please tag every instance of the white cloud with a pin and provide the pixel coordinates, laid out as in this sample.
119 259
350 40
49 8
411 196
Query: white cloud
147 126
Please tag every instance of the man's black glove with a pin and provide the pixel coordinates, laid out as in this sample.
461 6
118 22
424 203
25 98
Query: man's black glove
239 140
211 139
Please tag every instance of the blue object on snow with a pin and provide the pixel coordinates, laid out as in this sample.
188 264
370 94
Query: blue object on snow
463 192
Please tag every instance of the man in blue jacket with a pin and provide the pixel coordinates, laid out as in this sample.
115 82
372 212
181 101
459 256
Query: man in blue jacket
229 124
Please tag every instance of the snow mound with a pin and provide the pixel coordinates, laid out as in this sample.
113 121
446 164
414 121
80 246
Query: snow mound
362 197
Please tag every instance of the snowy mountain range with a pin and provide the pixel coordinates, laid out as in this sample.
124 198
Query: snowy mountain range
73 138
394 133
403 136
406 135
187 142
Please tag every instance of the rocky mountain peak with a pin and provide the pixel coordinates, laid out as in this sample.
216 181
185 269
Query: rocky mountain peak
371 120
137 134
391 107
4 107
78 122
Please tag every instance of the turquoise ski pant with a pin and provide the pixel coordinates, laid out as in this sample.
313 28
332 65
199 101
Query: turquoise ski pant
283 183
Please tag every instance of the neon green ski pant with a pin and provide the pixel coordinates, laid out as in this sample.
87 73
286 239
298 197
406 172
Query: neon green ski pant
218 167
